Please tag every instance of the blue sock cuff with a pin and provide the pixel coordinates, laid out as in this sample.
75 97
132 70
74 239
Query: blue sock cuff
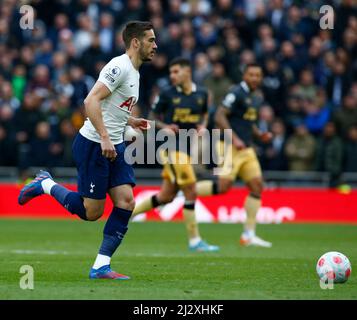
123 212
117 221
72 201
114 230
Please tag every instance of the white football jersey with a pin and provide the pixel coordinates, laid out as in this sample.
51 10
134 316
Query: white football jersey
122 79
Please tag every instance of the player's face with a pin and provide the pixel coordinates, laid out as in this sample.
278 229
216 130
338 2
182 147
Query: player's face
148 46
253 76
179 75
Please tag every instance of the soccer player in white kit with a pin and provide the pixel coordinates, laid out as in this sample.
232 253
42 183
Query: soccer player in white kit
99 147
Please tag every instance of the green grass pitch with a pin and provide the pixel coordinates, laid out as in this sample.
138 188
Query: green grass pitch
156 257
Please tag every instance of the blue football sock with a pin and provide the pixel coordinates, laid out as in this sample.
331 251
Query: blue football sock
72 201
114 231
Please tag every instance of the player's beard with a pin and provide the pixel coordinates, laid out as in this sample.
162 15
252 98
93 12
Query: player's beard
145 57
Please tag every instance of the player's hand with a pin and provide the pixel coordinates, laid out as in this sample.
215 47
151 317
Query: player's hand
266 137
238 143
171 128
140 123
108 149
200 129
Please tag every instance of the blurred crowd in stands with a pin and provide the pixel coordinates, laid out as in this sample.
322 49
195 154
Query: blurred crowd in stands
310 74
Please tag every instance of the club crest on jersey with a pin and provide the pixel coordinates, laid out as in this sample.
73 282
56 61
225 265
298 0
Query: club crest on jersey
248 101
176 100
200 101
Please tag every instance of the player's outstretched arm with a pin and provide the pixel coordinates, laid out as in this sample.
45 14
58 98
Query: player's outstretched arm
139 123
94 113
172 128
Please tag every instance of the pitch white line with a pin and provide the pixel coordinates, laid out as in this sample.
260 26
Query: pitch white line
126 254
45 252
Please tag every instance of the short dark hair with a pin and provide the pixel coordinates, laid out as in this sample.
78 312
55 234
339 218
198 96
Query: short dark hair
135 29
182 62
251 65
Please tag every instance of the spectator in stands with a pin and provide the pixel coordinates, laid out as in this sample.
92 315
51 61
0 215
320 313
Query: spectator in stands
27 117
189 47
61 22
265 44
67 134
217 83
82 37
294 112
27 59
346 116
215 53
276 14
113 7
154 7
316 59
59 64
7 137
273 154
224 9
64 86
350 164
350 38
203 68
19 81
174 45
5 66
6 117
290 63
343 12
274 85
233 47
91 56
329 154
186 27
173 14
247 56
300 149
294 23
338 83
119 46
306 87
106 33
25 120
43 150
161 32
157 79
4 147
55 112
135 10
206 36
80 86
317 112
7 96
44 53
266 118
41 82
